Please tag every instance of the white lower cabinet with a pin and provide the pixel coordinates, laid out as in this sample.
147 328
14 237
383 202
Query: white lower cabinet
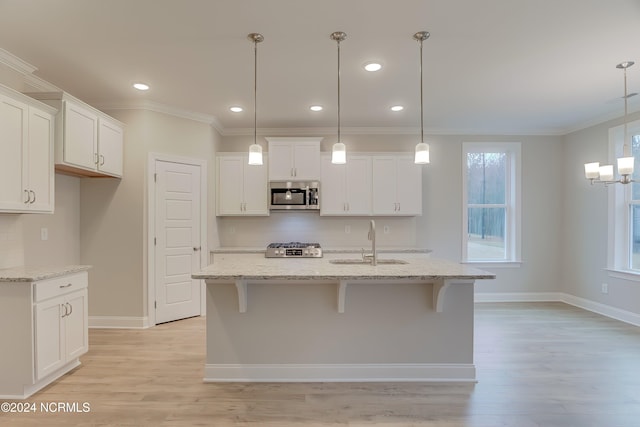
50 331
61 325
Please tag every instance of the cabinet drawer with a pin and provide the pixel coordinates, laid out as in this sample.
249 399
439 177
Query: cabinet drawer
50 288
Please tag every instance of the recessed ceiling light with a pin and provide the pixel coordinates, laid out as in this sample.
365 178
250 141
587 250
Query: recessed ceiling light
236 109
397 108
316 108
372 66
141 86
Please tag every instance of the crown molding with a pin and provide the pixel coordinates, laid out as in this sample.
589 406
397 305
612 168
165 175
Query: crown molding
26 70
165 109
10 60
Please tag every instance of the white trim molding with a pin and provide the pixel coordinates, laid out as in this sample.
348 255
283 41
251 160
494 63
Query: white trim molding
585 304
377 372
118 322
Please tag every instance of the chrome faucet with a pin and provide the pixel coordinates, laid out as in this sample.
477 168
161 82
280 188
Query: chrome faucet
373 256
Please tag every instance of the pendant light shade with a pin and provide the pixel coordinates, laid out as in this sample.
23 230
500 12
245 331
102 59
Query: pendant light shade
255 150
422 148
255 155
339 154
339 150
422 153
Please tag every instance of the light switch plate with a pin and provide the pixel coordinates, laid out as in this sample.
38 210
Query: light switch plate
44 233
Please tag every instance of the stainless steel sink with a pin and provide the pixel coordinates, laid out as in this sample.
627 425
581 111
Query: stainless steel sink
367 262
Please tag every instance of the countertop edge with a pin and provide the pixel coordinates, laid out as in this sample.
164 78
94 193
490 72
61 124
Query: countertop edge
33 274
325 250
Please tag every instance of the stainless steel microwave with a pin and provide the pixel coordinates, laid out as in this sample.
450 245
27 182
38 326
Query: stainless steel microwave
294 195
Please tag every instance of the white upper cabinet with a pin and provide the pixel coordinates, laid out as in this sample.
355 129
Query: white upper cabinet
397 184
88 142
294 159
26 154
346 189
242 188
110 145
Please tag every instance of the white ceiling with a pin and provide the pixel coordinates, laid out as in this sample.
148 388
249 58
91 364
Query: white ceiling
491 66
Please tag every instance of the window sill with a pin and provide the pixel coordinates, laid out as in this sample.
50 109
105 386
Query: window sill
633 276
496 264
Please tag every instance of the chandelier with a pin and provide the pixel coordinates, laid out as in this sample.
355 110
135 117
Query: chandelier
604 174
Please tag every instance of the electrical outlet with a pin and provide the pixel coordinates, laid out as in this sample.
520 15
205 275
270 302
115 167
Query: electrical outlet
605 288
44 233
347 229
386 229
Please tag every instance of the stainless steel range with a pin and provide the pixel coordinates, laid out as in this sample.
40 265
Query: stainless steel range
293 250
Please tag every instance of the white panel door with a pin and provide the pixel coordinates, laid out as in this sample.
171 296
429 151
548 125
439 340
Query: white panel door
178 241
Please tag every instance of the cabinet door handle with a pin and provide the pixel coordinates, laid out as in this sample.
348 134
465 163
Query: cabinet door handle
68 285
26 202
101 160
64 307
95 158
34 196
70 309
197 249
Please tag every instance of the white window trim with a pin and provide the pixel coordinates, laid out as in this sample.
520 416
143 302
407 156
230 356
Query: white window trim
514 223
618 244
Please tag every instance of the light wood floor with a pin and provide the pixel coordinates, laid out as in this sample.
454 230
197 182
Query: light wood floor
539 364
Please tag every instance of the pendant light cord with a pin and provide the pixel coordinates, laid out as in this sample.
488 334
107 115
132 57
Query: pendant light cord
255 91
421 98
338 41
626 150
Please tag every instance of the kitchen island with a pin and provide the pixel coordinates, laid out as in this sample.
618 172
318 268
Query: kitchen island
331 319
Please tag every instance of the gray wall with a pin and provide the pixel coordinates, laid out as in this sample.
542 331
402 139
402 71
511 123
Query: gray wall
585 220
113 223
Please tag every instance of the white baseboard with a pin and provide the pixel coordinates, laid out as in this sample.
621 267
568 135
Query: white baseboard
385 372
118 322
605 310
517 296
596 307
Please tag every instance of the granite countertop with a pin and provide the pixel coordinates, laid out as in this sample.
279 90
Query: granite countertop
343 250
252 266
32 274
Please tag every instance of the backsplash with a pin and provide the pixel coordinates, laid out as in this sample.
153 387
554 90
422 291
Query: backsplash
11 241
330 232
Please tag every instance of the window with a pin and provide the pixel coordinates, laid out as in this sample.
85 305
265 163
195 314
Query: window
624 214
491 197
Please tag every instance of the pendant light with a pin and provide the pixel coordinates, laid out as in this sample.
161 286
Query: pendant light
255 150
339 150
422 148
604 174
